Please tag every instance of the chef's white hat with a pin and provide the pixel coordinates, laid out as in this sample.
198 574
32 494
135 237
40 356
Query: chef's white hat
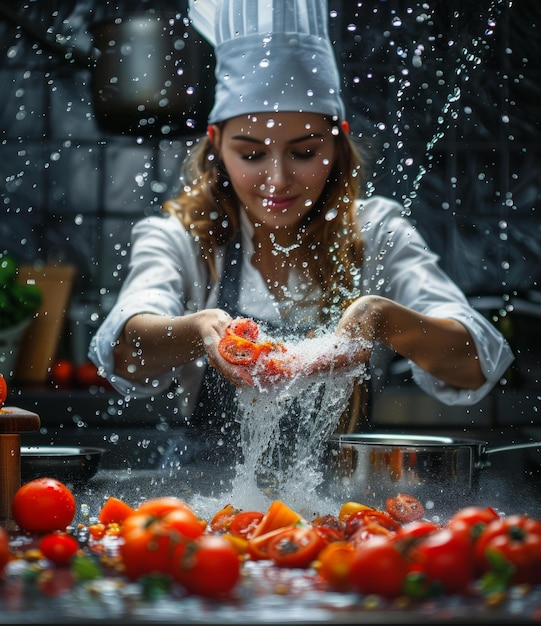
271 55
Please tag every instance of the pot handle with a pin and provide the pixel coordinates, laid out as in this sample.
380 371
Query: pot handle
515 446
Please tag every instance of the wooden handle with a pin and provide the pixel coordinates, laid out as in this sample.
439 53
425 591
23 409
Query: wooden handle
12 422
10 473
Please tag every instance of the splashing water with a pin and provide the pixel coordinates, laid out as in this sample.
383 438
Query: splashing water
284 430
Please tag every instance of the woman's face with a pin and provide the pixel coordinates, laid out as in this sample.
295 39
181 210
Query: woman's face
277 163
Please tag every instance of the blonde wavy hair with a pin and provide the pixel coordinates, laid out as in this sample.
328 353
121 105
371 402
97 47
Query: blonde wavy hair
208 208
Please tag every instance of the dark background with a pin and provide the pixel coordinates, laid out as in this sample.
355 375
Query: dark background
447 94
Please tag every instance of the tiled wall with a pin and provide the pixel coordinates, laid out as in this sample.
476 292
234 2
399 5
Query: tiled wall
450 88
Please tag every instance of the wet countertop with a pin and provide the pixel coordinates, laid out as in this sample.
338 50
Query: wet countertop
266 594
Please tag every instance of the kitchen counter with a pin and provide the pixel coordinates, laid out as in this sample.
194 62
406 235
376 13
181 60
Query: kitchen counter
266 595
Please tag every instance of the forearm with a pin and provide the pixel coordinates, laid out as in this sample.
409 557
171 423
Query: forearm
442 347
151 345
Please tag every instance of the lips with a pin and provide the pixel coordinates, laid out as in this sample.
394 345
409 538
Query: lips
280 203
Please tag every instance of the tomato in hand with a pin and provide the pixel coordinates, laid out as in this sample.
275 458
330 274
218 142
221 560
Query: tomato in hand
296 546
238 350
208 566
3 391
244 327
379 568
516 538
59 547
405 508
43 505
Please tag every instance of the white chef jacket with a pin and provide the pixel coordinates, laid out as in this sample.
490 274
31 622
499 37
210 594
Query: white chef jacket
167 276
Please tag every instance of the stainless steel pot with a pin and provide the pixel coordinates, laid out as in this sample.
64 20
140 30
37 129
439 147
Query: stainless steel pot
152 71
444 470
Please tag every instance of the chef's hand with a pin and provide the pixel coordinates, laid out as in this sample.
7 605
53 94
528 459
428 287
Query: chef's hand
216 323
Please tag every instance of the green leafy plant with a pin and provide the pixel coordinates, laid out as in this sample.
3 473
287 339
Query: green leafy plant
18 301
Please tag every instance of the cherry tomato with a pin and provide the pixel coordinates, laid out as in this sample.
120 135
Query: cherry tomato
405 508
59 547
62 373
5 552
416 529
518 539
114 511
207 566
297 546
238 350
473 519
368 522
244 327
351 507
379 568
3 391
43 505
150 535
333 564
221 521
86 375
445 559
244 523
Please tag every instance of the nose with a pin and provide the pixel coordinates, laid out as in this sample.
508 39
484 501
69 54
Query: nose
277 174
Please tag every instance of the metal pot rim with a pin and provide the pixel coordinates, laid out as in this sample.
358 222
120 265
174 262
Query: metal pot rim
402 440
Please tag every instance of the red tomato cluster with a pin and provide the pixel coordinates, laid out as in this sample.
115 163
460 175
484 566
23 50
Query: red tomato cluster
65 374
240 346
391 553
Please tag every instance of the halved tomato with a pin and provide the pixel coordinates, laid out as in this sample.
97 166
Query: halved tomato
297 546
405 508
238 350
243 327
244 523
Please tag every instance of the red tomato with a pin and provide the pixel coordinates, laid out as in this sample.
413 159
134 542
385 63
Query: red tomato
3 391
150 535
62 373
367 522
238 350
86 375
415 530
474 518
5 552
59 547
221 521
405 508
244 523
334 565
114 511
445 560
297 546
207 566
378 567
43 505
518 539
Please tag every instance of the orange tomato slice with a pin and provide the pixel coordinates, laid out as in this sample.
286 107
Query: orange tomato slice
238 350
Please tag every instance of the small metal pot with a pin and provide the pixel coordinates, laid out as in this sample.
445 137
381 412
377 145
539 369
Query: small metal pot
152 71
67 464
372 467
